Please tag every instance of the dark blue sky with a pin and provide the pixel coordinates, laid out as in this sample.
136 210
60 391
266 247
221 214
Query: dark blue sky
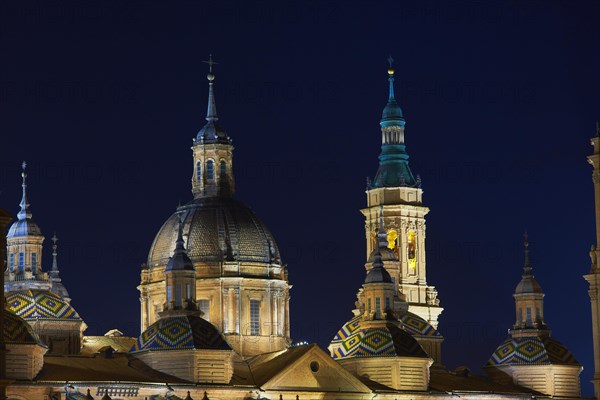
500 99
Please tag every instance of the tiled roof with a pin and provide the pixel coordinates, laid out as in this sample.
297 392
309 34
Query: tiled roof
385 341
120 367
531 350
36 304
179 333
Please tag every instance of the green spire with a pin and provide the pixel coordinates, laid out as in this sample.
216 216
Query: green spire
392 113
393 161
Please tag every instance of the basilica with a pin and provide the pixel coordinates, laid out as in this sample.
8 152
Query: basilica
215 297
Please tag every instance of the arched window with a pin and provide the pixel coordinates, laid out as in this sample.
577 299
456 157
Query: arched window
254 317
34 262
412 250
21 262
198 171
223 170
210 170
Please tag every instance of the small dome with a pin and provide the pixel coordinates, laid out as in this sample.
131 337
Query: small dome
385 341
528 285
391 113
180 262
378 274
212 132
181 332
531 350
216 229
346 340
24 227
40 304
17 331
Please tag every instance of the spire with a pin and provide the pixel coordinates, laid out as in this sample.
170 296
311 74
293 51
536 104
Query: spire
528 284
179 247
180 259
392 113
527 269
529 301
378 273
54 253
393 160
24 213
211 112
57 286
211 132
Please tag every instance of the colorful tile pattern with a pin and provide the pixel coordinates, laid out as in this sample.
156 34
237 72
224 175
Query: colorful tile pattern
179 333
17 331
388 341
40 304
417 326
531 351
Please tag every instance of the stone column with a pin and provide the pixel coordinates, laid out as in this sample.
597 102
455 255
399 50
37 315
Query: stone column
143 310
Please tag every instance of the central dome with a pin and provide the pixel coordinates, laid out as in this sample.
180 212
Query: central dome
216 229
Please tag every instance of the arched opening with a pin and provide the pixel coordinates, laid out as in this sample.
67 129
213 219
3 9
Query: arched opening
210 170
223 169
412 250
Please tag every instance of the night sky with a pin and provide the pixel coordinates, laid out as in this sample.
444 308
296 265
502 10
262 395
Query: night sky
500 99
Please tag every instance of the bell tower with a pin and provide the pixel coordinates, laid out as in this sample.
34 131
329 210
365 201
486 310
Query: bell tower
396 195
593 277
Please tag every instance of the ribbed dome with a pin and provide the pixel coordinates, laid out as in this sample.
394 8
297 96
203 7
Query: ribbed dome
392 112
216 229
25 227
531 350
182 332
385 341
378 274
528 285
40 305
410 323
212 133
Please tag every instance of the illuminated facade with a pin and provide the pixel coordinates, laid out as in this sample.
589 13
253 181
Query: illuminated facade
242 285
214 307
396 195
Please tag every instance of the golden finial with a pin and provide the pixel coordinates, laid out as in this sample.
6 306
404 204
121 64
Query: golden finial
390 69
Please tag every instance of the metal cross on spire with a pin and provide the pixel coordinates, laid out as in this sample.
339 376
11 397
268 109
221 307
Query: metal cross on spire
390 60
210 63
